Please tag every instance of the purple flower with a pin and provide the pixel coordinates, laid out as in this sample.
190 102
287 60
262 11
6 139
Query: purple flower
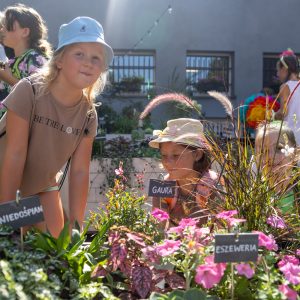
266 241
226 214
276 222
150 254
168 247
22 66
159 214
289 293
244 269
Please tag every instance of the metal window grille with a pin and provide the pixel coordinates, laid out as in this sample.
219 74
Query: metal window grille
209 71
134 65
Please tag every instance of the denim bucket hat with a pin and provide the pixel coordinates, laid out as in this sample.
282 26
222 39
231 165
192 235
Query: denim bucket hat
84 30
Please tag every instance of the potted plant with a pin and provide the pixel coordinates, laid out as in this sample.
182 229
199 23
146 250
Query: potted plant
210 84
131 84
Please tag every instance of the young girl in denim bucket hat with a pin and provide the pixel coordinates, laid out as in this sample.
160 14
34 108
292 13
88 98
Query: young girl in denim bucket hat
185 155
52 118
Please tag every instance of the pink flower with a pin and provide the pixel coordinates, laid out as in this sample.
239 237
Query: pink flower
168 247
276 222
298 252
288 259
189 222
244 269
209 274
178 230
291 273
289 293
159 214
226 214
119 171
266 241
233 221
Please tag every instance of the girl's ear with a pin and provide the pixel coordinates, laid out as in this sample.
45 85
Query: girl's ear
199 154
26 32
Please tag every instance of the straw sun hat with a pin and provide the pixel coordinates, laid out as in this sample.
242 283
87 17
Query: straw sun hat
182 131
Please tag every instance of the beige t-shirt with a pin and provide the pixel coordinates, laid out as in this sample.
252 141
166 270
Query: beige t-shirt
55 133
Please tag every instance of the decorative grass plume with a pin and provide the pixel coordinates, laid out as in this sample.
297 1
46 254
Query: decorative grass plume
164 98
224 101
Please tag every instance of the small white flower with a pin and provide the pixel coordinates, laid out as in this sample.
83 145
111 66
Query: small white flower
287 150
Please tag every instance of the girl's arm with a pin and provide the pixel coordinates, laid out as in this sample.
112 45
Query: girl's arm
17 130
7 76
79 180
284 95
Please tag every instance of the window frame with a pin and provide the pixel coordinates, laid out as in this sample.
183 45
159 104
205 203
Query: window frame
210 54
130 67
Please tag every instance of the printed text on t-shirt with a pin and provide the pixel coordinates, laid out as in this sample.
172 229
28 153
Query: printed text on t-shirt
56 125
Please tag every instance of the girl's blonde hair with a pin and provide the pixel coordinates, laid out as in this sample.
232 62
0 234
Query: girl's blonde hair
279 127
49 73
28 17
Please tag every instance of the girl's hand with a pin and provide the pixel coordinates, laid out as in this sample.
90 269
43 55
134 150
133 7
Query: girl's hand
7 76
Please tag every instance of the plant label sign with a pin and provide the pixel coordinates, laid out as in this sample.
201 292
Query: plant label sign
161 188
236 248
27 212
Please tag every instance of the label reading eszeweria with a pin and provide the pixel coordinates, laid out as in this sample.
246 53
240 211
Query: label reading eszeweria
236 248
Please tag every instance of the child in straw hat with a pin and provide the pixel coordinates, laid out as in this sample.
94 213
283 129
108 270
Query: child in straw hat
185 154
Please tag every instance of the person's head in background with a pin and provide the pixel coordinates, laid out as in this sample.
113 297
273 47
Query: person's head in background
24 29
275 149
288 66
185 152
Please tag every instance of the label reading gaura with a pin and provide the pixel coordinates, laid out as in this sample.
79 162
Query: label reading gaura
160 188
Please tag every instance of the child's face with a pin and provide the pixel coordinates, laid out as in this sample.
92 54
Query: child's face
178 160
82 64
12 38
273 160
282 74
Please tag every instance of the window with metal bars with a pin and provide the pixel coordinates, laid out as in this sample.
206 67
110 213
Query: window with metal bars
133 71
207 71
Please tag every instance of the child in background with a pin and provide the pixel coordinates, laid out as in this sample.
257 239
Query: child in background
288 73
64 123
25 32
3 57
185 154
276 148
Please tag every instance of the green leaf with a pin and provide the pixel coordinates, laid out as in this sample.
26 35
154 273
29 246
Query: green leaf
64 238
157 296
194 294
98 239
